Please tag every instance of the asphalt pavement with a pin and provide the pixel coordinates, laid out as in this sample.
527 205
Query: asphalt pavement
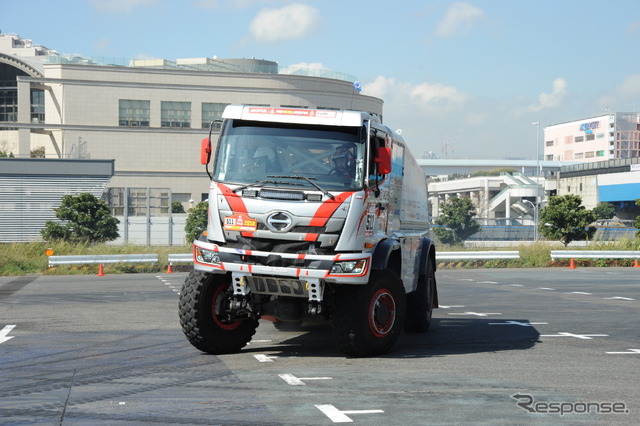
507 346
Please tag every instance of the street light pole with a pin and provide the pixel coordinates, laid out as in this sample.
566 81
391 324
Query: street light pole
538 198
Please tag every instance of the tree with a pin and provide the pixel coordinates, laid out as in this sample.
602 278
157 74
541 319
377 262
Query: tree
86 220
604 211
565 219
177 207
197 221
456 220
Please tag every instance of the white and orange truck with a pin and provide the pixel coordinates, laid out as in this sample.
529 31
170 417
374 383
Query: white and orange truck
312 213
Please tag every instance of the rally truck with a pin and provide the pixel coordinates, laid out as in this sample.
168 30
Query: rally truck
311 213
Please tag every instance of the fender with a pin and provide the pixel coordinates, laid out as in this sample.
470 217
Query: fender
428 249
426 246
383 252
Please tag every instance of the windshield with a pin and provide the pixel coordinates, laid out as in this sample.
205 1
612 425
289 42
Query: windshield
277 154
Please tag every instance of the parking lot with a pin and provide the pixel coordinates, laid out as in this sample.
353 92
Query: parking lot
508 346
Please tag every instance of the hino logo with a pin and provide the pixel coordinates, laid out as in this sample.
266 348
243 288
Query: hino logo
279 221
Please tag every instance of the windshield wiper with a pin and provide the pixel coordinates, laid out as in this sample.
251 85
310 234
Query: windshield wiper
315 185
260 183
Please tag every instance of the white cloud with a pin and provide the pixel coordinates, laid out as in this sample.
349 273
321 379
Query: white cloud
458 20
308 65
550 100
623 95
633 27
227 4
429 97
117 6
101 44
207 4
291 22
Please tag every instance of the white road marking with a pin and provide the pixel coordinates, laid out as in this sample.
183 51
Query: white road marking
338 416
478 314
631 351
5 331
579 292
466 279
522 324
578 336
451 306
517 285
546 288
264 358
298 381
619 298
487 282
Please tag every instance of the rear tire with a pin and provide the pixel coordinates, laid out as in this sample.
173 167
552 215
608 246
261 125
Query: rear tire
203 315
420 302
368 319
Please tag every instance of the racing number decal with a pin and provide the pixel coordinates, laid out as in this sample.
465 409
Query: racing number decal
240 222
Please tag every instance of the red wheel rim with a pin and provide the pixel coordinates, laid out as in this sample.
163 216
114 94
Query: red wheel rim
216 306
382 313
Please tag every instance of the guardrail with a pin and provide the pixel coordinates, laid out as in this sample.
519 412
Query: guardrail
594 254
180 258
477 255
102 259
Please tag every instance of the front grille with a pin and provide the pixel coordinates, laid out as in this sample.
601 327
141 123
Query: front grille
277 286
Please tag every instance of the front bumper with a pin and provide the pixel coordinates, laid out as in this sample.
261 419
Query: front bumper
295 266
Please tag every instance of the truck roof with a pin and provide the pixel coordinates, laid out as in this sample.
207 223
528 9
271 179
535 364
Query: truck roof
297 115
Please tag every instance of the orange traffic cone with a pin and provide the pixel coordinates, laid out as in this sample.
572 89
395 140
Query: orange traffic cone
572 264
636 265
169 270
101 271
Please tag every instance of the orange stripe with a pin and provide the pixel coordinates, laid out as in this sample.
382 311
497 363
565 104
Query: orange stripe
311 237
234 200
326 209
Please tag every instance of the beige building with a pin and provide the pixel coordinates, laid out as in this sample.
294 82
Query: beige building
148 116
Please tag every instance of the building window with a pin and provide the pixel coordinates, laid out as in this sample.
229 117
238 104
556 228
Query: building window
549 157
588 154
134 113
37 106
590 137
175 114
578 156
549 143
8 104
212 113
600 153
579 138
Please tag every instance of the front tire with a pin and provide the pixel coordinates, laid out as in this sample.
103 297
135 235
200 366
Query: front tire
368 319
204 315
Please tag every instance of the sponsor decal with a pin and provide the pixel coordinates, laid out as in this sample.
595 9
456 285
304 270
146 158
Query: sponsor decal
240 222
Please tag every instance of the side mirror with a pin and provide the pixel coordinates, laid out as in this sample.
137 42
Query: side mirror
383 160
205 151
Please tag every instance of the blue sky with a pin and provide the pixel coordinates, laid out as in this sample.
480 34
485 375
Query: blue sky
468 76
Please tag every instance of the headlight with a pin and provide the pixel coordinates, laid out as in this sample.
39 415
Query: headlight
352 267
207 256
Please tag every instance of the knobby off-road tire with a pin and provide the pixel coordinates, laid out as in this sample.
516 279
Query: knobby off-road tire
420 302
203 320
368 319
